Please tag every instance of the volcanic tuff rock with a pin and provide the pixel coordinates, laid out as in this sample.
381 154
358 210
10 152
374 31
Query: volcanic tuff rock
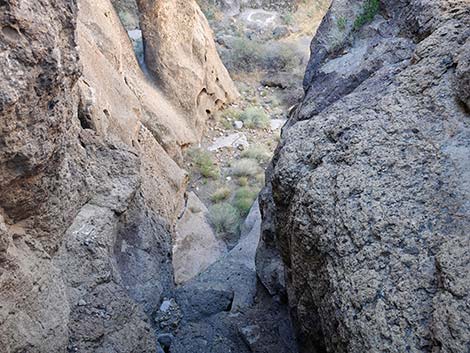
368 197
89 181
180 52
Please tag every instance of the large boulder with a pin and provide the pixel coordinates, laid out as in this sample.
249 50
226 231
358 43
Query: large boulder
180 53
196 246
367 203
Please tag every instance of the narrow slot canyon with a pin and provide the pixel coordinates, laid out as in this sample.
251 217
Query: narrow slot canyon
215 176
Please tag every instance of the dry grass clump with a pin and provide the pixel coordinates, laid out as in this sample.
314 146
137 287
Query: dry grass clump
245 168
204 163
243 200
224 218
257 152
255 118
221 194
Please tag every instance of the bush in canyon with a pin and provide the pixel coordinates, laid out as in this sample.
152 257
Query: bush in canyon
245 55
245 168
248 55
279 56
221 194
244 199
257 152
204 163
370 9
255 118
224 218
243 181
231 114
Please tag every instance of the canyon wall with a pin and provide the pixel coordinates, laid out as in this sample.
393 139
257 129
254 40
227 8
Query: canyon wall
366 211
89 178
180 53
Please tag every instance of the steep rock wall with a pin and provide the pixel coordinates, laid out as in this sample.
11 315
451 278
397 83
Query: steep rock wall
89 180
367 205
197 79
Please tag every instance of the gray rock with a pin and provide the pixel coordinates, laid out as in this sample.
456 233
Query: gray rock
225 300
165 340
367 198
280 31
238 124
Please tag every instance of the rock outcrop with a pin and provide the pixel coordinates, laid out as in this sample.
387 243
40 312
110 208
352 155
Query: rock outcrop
89 179
367 204
180 52
196 246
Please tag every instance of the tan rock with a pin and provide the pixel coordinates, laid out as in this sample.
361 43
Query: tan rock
180 52
89 182
196 246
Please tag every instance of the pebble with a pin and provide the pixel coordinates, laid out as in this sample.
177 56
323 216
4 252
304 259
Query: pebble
238 124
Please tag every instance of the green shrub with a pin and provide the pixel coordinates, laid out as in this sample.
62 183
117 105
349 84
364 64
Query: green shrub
204 163
224 218
245 168
370 9
221 194
257 152
244 199
342 22
254 117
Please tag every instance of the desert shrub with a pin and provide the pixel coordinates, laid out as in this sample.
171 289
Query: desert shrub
224 118
342 22
248 55
245 168
257 152
221 194
254 117
231 114
224 218
245 54
280 56
370 9
243 181
204 163
243 200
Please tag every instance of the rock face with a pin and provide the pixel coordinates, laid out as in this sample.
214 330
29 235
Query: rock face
196 245
89 179
197 80
224 310
367 204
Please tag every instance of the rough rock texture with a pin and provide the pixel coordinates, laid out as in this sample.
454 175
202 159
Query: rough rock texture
225 310
368 196
128 12
89 180
197 79
196 245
